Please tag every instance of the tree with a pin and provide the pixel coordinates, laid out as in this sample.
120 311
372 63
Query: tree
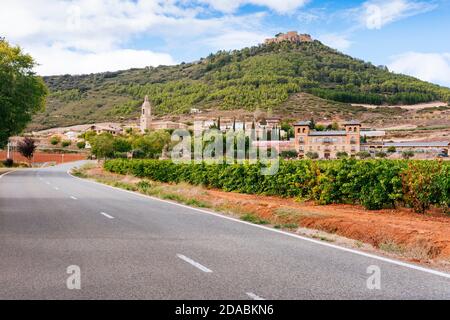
122 145
102 145
391 149
66 143
81 145
364 155
408 154
55 140
22 93
312 155
26 148
289 154
342 155
335 126
152 144
363 139
320 127
381 154
89 135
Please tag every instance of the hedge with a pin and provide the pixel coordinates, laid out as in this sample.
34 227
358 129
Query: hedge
375 184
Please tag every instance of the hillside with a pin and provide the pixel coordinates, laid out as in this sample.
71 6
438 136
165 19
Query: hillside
266 77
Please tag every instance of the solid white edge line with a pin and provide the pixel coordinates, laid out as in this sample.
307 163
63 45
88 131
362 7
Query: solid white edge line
194 263
325 244
254 296
106 215
4 174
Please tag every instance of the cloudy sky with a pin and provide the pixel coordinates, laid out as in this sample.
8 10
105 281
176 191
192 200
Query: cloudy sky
85 36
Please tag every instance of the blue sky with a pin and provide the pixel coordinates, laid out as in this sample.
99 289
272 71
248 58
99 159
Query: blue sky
84 36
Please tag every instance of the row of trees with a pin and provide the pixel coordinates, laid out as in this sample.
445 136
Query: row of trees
374 184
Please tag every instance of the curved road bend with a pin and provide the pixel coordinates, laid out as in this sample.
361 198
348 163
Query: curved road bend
132 247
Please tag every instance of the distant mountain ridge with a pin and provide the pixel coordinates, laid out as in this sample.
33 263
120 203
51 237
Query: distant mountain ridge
260 77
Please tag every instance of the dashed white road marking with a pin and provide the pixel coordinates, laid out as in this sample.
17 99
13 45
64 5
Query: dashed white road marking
106 215
47 182
254 296
73 198
56 188
193 263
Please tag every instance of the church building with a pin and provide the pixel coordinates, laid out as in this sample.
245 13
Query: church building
147 122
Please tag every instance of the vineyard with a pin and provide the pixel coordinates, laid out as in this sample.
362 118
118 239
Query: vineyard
375 184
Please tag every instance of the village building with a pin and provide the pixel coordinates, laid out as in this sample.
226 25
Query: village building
327 144
99 129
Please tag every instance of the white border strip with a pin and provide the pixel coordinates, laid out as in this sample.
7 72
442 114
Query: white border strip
4 174
364 254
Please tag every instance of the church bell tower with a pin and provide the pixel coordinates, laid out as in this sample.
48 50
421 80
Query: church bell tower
146 115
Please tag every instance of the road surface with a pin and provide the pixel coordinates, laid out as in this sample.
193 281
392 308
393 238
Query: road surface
129 246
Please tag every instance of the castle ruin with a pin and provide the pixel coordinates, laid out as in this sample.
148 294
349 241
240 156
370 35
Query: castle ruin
291 36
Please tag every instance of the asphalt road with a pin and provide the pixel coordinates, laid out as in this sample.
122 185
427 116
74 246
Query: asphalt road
129 246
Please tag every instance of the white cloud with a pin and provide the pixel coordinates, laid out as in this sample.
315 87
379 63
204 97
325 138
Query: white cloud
432 67
56 61
336 41
235 40
375 14
93 35
280 6
308 17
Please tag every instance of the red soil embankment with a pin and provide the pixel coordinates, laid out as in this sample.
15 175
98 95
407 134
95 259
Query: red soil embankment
423 237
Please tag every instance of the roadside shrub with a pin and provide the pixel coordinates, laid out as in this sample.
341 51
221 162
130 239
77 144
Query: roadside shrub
381 154
290 154
407 154
444 188
391 150
375 183
66 143
363 155
421 185
312 155
342 155
55 140
9 163
81 145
